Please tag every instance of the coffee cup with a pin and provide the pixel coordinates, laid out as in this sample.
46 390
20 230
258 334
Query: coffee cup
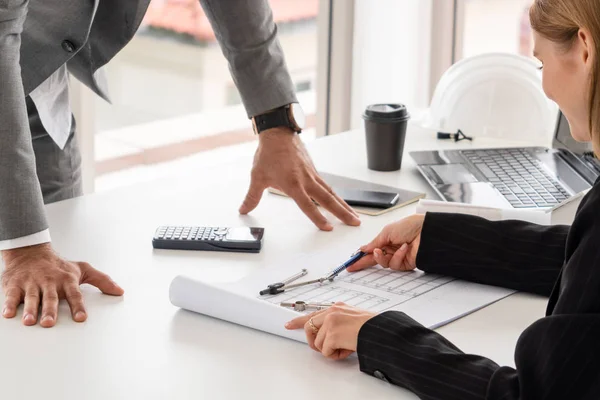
385 131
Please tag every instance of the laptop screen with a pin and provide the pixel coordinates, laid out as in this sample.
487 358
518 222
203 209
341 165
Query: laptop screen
564 140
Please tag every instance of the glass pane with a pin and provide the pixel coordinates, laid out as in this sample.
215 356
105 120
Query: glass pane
173 96
391 55
497 26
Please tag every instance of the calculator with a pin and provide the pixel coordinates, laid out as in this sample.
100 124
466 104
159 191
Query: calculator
238 240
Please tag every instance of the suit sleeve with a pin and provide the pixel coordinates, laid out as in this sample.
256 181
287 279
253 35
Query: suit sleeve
556 359
21 205
248 38
512 254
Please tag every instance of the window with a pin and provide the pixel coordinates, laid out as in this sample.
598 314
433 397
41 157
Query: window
303 86
391 54
172 93
495 26
233 96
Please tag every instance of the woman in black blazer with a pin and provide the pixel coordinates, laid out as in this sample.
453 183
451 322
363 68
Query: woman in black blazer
558 356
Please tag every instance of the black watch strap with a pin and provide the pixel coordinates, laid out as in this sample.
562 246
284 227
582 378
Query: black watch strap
272 119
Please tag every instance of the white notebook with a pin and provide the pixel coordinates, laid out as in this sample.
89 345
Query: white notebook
535 216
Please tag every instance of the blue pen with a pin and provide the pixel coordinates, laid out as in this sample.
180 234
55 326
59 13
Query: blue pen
344 266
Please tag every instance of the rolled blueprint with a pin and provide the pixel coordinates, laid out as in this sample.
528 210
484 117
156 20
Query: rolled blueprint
222 303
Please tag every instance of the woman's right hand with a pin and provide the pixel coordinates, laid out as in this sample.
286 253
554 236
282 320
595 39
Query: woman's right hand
395 247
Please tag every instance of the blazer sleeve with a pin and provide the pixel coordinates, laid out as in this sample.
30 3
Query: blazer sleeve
21 205
248 38
512 254
556 359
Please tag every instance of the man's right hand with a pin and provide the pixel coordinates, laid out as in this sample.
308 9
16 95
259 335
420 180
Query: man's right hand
282 162
395 247
37 276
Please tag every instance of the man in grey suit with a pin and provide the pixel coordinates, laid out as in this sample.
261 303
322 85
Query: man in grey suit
41 42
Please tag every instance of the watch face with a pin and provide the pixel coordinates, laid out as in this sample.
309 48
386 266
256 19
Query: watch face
297 115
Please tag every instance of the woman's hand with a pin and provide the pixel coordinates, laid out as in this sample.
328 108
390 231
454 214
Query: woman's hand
395 247
334 331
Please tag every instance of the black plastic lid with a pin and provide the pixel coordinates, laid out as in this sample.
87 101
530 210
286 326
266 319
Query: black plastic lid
386 113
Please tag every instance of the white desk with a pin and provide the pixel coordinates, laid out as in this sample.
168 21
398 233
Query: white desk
141 347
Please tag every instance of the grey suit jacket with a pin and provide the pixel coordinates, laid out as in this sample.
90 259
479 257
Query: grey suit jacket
39 36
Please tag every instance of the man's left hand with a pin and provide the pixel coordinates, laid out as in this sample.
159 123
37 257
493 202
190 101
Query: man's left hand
282 162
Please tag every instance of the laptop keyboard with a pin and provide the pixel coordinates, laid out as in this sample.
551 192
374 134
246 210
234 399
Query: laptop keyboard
518 176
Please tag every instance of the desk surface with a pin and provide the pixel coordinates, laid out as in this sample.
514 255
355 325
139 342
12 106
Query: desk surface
141 347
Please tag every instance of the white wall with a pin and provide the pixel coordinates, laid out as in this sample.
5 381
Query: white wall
392 42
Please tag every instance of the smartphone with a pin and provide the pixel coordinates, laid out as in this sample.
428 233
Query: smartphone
367 198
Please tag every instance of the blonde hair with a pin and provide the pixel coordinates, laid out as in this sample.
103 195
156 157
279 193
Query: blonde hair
560 22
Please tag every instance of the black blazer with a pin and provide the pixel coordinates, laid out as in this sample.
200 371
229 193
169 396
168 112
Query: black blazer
557 357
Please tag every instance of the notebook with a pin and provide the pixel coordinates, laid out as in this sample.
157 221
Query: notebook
336 181
535 216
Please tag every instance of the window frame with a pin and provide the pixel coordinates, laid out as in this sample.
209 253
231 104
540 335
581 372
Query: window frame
446 37
334 66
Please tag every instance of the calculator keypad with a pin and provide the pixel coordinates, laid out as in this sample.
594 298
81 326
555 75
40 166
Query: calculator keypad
191 233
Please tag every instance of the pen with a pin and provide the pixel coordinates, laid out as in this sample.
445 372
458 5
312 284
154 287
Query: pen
351 261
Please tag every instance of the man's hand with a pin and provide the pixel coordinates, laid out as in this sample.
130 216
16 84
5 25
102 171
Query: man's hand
36 276
283 163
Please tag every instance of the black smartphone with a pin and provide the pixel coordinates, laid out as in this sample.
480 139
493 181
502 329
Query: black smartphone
367 198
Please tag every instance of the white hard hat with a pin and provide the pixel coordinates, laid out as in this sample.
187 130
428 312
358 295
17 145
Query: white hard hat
495 94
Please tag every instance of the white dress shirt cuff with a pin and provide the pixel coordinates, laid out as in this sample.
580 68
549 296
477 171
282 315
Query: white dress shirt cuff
24 241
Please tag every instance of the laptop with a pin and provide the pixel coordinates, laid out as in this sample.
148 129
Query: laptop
522 177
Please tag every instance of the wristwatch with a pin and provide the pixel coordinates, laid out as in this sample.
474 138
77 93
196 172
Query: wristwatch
290 116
